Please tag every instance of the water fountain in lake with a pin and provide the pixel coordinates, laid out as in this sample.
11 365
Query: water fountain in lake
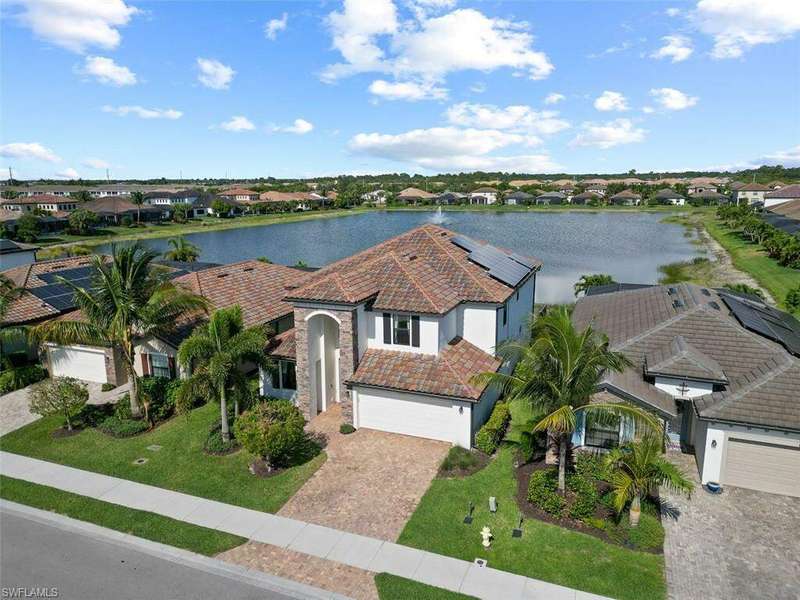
438 217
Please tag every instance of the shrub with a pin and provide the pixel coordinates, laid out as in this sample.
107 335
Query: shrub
20 377
272 430
543 492
126 221
121 428
649 534
160 393
346 428
591 466
91 415
793 299
214 443
492 432
460 459
63 396
122 409
107 387
586 497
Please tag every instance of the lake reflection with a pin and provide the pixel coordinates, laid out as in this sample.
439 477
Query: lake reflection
628 245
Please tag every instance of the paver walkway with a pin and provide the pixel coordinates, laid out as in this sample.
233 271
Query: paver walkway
371 482
739 545
14 412
358 551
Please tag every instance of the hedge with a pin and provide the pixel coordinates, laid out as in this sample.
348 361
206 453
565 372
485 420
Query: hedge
492 432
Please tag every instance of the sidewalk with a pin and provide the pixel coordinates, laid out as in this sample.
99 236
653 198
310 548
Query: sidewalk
331 544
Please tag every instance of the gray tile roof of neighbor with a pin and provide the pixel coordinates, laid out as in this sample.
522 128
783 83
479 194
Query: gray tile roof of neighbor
689 332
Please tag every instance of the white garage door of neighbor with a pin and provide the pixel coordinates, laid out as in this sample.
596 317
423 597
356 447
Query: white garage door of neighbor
420 417
765 467
87 364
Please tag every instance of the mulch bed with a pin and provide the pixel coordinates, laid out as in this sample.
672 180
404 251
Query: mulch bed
523 474
232 450
63 432
260 469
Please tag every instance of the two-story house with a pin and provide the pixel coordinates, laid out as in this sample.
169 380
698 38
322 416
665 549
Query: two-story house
46 202
750 193
483 195
395 334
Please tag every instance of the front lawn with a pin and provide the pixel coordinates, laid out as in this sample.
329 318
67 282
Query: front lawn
121 518
179 465
545 551
392 587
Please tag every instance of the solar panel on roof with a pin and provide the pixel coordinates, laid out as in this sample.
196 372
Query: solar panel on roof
767 321
465 243
68 274
507 268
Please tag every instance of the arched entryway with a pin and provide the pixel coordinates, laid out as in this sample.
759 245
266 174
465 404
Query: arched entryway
323 360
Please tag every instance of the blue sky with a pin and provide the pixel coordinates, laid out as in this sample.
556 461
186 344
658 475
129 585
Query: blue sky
302 89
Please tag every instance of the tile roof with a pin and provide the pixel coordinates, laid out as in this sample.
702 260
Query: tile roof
283 345
763 378
626 194
418 271
789 192
753 187
117 205
447 374
287 197
412 192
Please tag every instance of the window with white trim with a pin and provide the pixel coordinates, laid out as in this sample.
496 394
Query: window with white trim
284 376
401 329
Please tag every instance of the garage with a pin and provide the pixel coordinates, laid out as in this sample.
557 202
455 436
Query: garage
411 414
80 362
759 465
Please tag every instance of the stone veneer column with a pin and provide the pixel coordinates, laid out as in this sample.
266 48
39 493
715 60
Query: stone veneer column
301 361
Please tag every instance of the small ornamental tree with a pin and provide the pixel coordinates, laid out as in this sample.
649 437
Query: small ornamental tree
63 396
793 299
589 281
81 221
220 208
28 228
273 431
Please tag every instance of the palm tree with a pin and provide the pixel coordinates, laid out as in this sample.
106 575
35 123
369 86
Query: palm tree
588 281
127 299
213 353
9 334
137 198
182 250
557 372
638 469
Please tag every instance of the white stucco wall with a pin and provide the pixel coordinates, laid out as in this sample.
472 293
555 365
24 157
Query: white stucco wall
478 326
672 386
155 346
519 307
711 462
428 334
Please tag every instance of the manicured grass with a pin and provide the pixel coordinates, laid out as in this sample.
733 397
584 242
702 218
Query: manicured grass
180 465
544 552
391 587
128 520
778 280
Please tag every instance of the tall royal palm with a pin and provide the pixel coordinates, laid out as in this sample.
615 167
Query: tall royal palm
137 198
557 372
128 299
213 354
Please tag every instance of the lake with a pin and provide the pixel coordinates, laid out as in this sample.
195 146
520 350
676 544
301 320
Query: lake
628 245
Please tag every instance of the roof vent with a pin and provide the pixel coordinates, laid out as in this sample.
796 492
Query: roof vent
714 305
678 304
246 269
221 275
412 257
705 292
672 291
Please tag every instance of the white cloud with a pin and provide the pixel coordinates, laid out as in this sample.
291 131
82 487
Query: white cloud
106 71
299 127
452 148
672 99
428 48
237 124
273 26
407 90
143 113
478 87
787 158
214 74
611 50
96 163
554 98
68 173
609 100
26 150
738 25
676 47
77 24
518 118
672 12
648 110
609 134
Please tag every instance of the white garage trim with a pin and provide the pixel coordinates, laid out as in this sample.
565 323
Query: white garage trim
81 362
418 415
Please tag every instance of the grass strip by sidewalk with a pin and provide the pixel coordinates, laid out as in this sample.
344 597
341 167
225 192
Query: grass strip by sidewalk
139 523
391 587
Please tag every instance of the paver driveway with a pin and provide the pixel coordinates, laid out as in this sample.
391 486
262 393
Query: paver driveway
371 482
741 544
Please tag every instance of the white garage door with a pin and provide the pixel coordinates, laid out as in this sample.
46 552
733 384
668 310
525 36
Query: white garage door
87 364
414 415
760 466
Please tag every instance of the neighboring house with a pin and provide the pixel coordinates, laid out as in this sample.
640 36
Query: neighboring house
483 195
596 186
710 197
775 185
699 188
45 202
519 197
551 198
205 206
396 332
240 195
167 198
451 198
518 183
626 198
735 185
375 196
785 216
302 200
585 197
750 193
669 196
720 368
781 195
112 209
49 223
413 195
15 254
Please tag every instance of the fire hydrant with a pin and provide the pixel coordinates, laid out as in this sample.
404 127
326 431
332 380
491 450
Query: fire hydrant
487 536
